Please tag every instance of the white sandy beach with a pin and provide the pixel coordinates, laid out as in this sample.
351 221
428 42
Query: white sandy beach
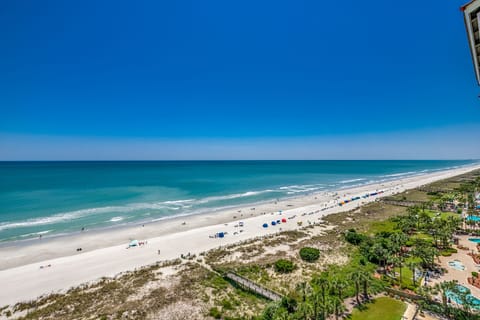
104 252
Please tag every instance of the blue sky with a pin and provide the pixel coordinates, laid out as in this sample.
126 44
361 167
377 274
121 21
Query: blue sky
243 80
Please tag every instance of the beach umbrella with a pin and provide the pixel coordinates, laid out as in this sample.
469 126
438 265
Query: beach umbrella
273 223
284 220
221 234
265 225
278 221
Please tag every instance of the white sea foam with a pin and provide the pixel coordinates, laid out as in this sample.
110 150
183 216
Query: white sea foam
233 196
400 174
352 180
35 234
78 214
179 201
61 217
301 188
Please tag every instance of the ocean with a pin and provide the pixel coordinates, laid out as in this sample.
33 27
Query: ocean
51 198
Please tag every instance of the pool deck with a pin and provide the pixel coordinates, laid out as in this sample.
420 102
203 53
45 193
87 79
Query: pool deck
459 275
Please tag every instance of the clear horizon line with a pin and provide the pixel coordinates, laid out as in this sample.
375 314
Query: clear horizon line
225 160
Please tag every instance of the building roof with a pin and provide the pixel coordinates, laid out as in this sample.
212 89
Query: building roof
471 13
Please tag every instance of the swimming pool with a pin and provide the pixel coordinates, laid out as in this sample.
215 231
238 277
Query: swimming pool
473 218
456 296
455 264
476 240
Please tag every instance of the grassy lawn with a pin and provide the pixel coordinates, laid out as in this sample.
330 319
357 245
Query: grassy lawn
381 308
411 195
381 226
443 215
421 235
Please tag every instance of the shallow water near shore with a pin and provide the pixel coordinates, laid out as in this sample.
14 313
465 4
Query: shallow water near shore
48 198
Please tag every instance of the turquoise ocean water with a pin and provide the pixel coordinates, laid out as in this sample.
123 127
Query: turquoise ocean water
60 197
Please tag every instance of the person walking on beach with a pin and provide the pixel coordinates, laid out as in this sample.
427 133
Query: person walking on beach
158 251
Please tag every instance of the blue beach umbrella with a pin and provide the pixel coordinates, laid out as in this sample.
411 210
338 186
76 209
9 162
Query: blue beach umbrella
273 223
265 225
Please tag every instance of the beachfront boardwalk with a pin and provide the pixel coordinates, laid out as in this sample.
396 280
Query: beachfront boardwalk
254 287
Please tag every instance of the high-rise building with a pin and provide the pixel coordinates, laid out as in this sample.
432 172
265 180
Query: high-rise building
471 13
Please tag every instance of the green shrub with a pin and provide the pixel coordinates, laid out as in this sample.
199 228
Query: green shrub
309 254
289 303
214 312
474 274
226 304
284 266
351 236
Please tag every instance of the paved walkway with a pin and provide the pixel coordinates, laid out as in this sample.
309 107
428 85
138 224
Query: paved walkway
409 313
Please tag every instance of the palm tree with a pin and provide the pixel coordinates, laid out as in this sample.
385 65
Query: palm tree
444 288
413 215
328 307
398 240
303 288
366 280
338 306
356 278
467 302
322 282
425 252
400 266
306 310
379 253
424 218
361 277
316 303
393 260
339 283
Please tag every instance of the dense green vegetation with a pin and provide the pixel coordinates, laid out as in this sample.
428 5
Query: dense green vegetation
324 294
399 250
284 266
309 254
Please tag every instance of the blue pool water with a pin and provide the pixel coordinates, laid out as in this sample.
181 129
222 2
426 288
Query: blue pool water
476 240
473 218
60 197
456 265
455 296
